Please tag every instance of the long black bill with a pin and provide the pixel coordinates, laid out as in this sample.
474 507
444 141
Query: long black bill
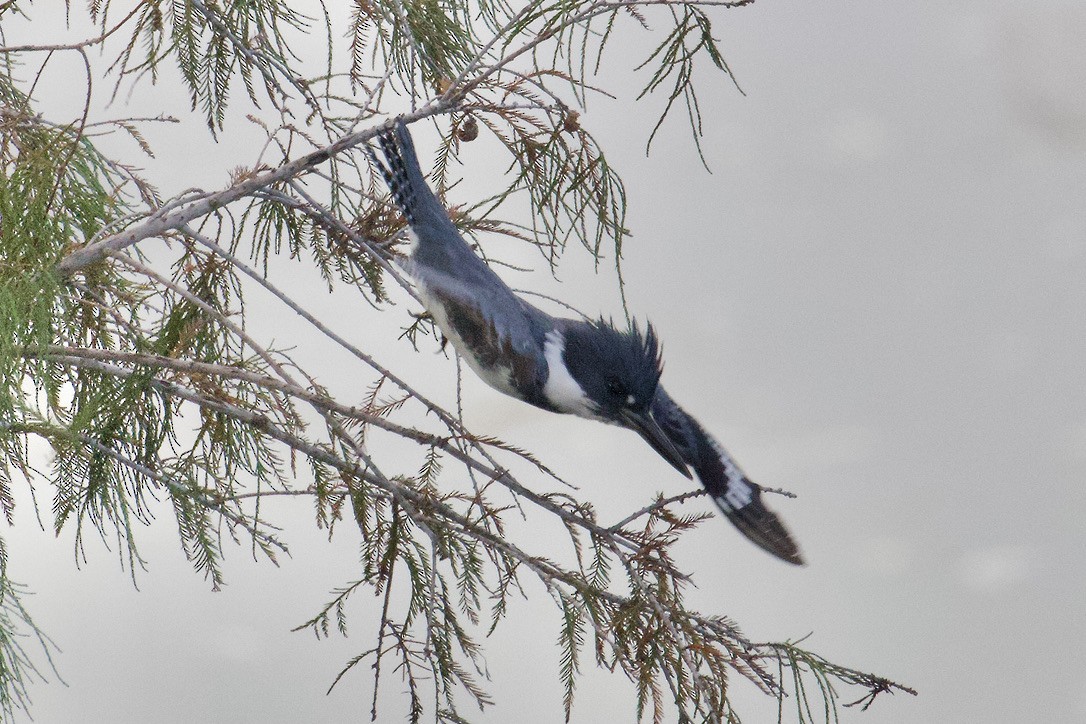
647 428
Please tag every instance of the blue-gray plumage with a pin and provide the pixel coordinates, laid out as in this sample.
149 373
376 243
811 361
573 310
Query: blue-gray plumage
585 368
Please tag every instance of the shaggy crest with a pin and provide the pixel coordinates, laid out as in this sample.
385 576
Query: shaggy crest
623 363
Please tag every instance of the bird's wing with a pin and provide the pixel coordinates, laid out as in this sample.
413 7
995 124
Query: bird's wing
739 498
482 307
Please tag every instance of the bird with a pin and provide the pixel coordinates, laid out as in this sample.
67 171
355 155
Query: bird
584 367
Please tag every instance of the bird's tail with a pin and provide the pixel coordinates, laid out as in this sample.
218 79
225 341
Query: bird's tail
402 173
740 499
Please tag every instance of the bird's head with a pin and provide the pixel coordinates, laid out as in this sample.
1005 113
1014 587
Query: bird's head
617 373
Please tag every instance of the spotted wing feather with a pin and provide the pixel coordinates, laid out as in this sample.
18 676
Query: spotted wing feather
739 498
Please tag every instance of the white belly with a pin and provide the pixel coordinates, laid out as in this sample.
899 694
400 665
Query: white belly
498 377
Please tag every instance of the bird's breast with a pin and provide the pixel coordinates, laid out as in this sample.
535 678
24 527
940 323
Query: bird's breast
475 340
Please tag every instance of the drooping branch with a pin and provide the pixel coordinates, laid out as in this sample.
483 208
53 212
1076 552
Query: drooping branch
158 224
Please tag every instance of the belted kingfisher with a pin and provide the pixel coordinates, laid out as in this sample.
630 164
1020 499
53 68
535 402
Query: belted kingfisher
585 368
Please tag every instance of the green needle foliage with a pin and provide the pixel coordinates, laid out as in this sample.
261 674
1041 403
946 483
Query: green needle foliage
125 349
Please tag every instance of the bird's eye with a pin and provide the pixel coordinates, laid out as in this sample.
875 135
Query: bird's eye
616 389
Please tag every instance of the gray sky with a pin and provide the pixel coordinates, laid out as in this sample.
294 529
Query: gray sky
876 300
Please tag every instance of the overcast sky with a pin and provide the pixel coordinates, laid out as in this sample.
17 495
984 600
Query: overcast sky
876 300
